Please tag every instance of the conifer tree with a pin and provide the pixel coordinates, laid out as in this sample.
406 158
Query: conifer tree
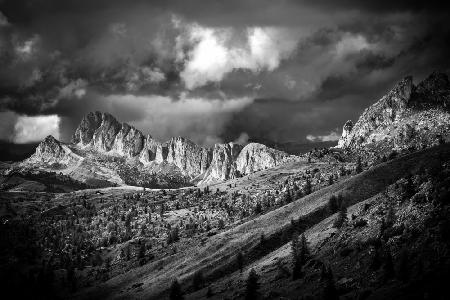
358 168
388 266
175 291
333 204
330 292
251 292
240 261
197 280
341 218
308 187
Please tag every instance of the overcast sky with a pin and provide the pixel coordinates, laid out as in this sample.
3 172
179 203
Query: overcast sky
213 71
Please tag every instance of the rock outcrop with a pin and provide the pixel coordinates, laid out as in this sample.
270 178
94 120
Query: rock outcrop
161 153
129 142
255 157
187 156
103 134
223 162
406 115
51 151
148 153
88 125
346 130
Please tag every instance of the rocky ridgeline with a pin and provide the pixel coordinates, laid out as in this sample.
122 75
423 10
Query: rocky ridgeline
102 133
407 116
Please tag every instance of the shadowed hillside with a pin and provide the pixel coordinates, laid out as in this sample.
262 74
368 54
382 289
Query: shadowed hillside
217 257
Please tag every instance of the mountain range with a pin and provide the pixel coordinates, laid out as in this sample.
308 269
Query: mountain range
100 143
105 152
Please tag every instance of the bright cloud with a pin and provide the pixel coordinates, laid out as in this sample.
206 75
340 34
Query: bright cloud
34 129
215 52
25 49
331 137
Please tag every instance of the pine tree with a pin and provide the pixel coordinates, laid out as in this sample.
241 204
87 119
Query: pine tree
296 261
141 253
175 291
333 204
330 292
342 171
251 292
358 168
376 260
402 269
308 187
209 292
341 218
330 180
390 217
288 198
408 189
197 280
240 261
304 251
300 254
388 266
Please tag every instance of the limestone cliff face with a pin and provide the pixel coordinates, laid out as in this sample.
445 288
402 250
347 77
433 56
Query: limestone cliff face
129 141
187 156
104 136
255 157
223 162
148 153
88 125
407 114
161 153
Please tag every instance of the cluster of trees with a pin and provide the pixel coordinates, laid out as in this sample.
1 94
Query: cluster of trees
337 204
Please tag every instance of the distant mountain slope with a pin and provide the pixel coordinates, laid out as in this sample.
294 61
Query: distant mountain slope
295 147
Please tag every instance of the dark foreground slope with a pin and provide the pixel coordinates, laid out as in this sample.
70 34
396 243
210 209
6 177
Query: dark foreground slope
217 257
393 245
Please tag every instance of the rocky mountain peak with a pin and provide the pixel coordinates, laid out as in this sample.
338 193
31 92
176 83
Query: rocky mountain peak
104 135
402 115
49 149
87 127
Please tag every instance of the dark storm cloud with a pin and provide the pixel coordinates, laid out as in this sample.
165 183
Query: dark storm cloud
380 6
311 64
